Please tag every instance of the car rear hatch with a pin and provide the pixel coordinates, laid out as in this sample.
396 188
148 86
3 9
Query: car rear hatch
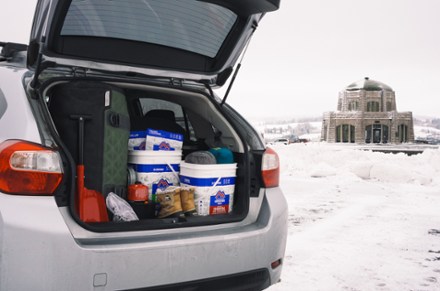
168 40
185 39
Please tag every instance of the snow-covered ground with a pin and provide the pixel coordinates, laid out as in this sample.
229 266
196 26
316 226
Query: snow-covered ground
360 220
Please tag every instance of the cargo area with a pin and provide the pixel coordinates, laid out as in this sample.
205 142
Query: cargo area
142 156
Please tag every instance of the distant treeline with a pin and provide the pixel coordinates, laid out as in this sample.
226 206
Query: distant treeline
280 121
435 122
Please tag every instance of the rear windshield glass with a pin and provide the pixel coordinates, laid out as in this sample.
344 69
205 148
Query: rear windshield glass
190 25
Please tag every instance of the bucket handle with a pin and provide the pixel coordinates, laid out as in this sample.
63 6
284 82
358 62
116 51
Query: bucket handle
174 172
215 184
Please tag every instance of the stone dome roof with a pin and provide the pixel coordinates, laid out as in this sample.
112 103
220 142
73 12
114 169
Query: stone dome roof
368 85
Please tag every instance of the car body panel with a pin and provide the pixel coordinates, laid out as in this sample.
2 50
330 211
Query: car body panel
17 121
48 258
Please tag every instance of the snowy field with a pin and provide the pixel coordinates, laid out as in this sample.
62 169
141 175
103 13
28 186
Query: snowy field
360 220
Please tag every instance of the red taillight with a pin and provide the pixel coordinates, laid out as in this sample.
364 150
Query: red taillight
270 168
28 169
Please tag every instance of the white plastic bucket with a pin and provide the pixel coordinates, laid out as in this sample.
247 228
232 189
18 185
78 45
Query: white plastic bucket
156 169
214 186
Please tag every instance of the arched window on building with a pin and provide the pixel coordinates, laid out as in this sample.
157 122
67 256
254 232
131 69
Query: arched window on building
353 106
389 106
376 133
372 106
345 133
402 133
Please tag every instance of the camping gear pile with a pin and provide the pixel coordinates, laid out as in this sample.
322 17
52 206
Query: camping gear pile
155 157
124 175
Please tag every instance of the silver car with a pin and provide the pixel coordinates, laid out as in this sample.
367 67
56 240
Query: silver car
167 55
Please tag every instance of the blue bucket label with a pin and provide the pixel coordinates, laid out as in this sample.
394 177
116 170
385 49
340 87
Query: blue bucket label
207 182
159 168
163 146
161 185
138 134
164 134
136 140
160 140
219 203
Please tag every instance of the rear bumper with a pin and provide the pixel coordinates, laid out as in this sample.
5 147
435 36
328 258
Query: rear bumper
252 280
40 252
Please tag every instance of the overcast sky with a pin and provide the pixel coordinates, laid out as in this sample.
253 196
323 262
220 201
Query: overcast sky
305 53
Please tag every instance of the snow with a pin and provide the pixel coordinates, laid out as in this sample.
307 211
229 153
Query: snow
360 220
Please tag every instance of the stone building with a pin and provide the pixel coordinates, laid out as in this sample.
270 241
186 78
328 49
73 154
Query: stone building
367 113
